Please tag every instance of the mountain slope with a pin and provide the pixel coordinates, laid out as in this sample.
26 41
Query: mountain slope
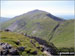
38 23
43 25
64 35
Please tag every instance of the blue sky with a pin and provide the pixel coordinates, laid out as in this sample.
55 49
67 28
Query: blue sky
14 8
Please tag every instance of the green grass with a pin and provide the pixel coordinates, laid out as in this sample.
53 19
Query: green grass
41 25
10 37
64 36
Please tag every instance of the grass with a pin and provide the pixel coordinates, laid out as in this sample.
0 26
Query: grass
10 37
66 37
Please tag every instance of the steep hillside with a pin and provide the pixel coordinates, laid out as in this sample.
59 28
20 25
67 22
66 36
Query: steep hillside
64 35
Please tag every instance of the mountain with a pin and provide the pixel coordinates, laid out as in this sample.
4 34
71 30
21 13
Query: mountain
32 21
43 25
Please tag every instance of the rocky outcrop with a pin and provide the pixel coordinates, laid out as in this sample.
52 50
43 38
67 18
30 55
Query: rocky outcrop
50 48
7 49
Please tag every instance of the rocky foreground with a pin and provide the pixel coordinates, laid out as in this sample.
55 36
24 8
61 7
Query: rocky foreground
20 44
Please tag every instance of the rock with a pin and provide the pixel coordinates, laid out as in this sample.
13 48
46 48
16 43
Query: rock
6 46
1 53
6 49
34 52
21 48
28 51
17 42
25 34
1 43
5 52
9 46
38 47
51 51
42 49
13 51
7 30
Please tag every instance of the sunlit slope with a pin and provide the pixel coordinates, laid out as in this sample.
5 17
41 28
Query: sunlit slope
11 38
37 23
64 35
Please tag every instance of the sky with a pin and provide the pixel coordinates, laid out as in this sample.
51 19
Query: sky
14 8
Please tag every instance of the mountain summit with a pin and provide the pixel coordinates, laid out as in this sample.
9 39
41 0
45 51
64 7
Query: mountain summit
36 22
41 13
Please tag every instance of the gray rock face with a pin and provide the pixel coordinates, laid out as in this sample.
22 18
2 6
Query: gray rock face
16 24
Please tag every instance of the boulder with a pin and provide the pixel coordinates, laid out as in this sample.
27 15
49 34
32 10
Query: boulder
6 49
7 30
13 51
9 46
28 51
21 48
34 52
2 43
38 47
4 52
17 42
42 49
6 46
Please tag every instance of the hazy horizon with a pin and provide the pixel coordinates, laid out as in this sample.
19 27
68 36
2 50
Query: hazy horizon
11 9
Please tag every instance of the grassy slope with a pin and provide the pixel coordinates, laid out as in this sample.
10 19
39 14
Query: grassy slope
43 25
9 37
64 36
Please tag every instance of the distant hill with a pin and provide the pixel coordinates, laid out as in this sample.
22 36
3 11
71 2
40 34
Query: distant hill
3 19
43 25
